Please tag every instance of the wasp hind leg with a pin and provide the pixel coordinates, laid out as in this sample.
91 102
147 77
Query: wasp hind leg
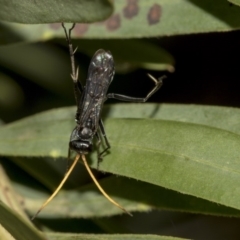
99 135
158 84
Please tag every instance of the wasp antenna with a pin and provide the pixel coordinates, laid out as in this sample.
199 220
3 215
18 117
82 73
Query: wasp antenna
100 188
58 188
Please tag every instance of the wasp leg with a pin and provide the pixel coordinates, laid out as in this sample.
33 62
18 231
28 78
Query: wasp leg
158 84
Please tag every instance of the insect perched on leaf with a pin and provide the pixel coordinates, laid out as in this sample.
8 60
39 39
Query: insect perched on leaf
90 100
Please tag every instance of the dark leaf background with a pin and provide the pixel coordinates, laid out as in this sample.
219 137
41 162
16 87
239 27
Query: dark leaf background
174 161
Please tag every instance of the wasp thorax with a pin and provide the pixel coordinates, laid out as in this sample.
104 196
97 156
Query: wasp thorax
85 133
102 62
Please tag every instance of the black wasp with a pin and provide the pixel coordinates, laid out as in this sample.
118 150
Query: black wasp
90 100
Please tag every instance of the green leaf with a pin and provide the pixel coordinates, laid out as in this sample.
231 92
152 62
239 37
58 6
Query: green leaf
11 199
136 196
189 158
9 86
58 236
52 66
8 195
30 136
41 63
236 2
17 226
55 11
44 170
22 132
4 234
50 173
131 53
149 18
12 217
226 118
196 159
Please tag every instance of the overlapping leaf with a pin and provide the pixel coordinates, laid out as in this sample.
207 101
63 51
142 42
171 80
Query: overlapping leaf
12 217
136 196
149 18
56 236
27 11
236 2
200 159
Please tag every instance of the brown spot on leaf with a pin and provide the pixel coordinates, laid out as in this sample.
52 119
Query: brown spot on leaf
81 28
55 26
100 23
154 14
131 9
113 23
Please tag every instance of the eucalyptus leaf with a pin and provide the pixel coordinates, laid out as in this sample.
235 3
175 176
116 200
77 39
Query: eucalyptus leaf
61 236
236 2
12 217
50 173
9 196
27 11
190 158
47 66
4 234
226 118
17 226
134 53
9 87
136 196
41 63
136 19
38 127
194 159
44 170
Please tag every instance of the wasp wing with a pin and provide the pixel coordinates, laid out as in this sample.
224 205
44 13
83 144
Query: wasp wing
100 75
